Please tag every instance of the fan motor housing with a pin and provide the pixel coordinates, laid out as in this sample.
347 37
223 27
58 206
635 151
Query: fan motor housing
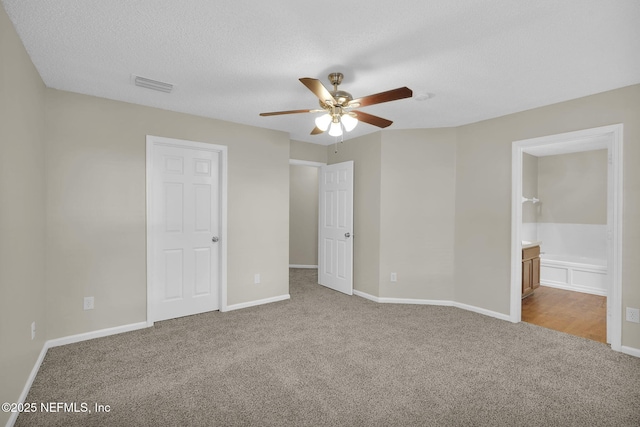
342 97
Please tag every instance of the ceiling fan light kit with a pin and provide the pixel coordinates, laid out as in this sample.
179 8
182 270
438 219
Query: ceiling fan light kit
339 106
323 122
349 122
335 129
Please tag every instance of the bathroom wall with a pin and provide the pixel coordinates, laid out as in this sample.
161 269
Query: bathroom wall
573 188
572 218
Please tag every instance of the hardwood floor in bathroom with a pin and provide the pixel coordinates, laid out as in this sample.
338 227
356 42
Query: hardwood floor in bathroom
574 313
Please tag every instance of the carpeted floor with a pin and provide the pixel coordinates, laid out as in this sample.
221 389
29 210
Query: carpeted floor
327 359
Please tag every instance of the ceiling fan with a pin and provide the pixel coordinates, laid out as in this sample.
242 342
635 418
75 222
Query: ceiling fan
340 107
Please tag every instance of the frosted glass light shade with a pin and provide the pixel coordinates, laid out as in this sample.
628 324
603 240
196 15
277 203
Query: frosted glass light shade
335 129
349 122
323 121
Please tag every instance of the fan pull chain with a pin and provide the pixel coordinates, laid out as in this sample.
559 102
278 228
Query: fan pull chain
341 138
335 150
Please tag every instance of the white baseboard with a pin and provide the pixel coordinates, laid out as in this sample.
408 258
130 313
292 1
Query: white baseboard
258 302
386 300
366 295
446 303
631 351
95 334
484 311
302 266
32 376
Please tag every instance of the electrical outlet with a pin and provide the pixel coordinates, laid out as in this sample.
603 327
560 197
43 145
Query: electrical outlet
33 330
633 315
88 303
394 277
256 278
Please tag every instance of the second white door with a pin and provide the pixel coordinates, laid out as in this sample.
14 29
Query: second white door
335 231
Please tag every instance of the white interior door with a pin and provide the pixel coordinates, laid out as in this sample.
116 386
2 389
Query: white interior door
184 203
335 231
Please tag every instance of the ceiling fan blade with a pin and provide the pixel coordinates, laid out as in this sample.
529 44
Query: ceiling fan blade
378 98
316 131
372 120
277 113
315 86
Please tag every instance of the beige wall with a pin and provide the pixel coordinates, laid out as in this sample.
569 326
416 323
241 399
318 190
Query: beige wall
365 151
96 207
483 195
417 214
573 188
303 215
530 187
404 211
22 215
299 150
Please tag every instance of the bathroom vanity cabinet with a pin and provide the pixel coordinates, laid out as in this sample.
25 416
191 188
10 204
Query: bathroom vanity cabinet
530 270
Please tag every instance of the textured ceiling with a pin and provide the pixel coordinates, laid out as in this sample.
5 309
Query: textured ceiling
232 60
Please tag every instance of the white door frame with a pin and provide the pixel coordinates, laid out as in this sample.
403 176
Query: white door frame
611 138
152 141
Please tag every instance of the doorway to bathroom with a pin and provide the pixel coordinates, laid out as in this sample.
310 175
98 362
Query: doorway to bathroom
571 219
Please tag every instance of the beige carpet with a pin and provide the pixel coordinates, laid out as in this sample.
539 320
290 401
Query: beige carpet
327 359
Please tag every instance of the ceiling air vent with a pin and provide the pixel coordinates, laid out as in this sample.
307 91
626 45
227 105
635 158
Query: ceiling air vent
152 84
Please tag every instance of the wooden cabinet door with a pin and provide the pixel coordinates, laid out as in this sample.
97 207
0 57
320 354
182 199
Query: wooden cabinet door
526 277
535 273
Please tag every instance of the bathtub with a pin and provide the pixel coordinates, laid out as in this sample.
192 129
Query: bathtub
573 273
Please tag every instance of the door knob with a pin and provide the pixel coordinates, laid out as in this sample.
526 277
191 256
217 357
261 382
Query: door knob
214 239
347 235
